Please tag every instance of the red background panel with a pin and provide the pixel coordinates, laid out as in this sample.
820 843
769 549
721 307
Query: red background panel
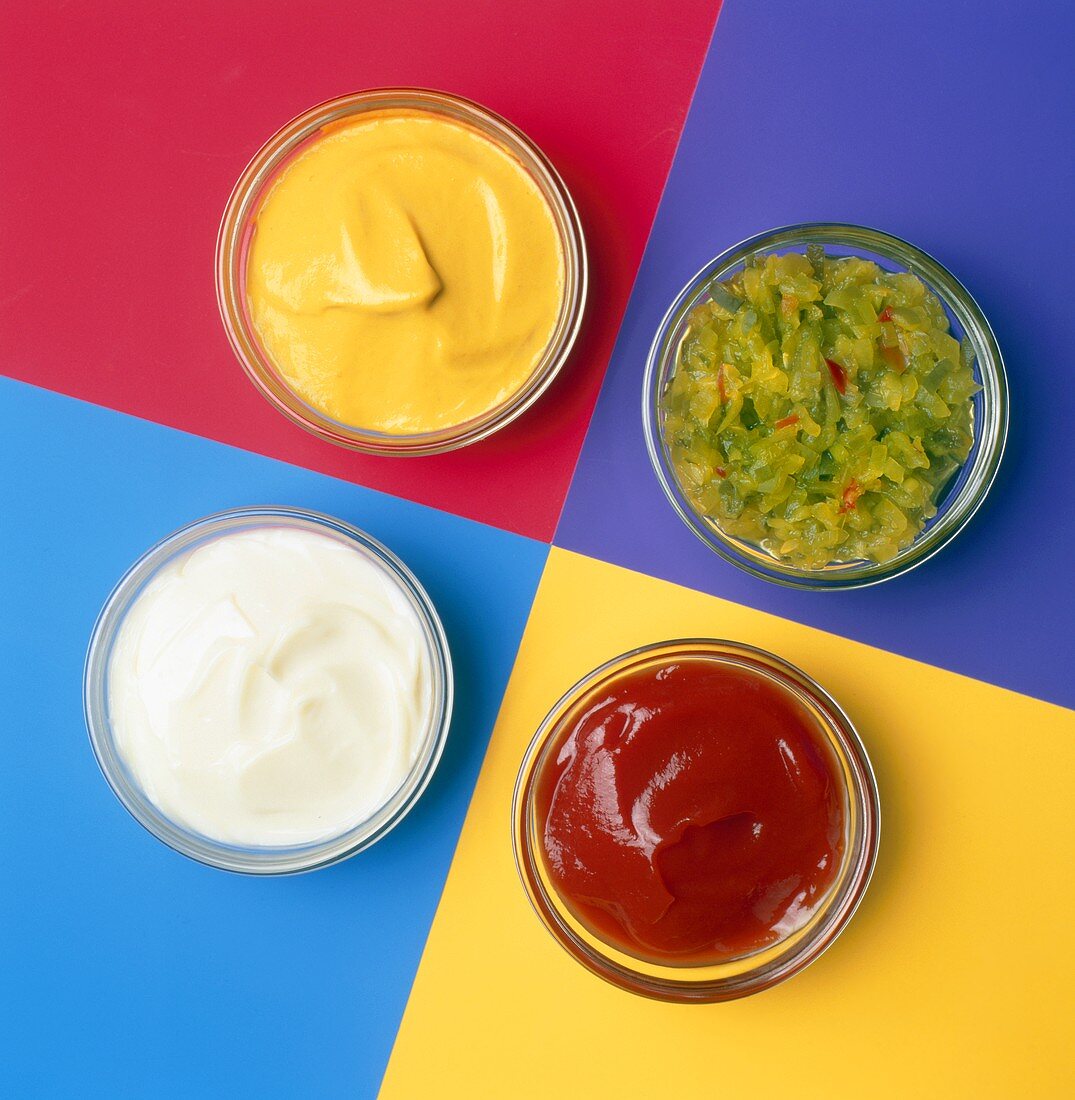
125 125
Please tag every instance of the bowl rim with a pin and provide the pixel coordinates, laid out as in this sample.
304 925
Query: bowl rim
978 474
236 225
243 859
860 856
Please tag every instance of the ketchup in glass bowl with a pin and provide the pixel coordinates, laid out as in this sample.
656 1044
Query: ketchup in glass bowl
695 821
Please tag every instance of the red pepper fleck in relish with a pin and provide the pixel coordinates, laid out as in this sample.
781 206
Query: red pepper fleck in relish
850 496
839 375
787 421
693 812
885 314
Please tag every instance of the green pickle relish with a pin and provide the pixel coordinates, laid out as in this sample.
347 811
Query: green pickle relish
818 407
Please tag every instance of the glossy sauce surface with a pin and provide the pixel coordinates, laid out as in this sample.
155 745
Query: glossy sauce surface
693 812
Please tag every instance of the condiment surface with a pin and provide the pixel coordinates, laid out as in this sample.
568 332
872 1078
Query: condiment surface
693 812
818 408
405 273
270 687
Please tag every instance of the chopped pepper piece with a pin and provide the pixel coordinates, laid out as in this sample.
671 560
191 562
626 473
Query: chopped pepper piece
850 495
895 358
839 376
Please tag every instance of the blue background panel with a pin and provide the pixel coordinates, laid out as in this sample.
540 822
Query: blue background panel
126 967
948 124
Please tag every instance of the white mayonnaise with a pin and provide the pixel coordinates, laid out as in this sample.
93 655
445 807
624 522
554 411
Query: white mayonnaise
270 687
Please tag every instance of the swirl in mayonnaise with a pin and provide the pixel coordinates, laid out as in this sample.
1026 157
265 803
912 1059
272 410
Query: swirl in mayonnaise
270 687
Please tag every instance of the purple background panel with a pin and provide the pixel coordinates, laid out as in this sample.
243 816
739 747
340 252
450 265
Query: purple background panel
946 124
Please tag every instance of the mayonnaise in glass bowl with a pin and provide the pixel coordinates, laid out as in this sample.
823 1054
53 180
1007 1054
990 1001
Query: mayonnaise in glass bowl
289 795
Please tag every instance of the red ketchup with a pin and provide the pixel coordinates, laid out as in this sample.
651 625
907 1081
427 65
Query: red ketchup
694 812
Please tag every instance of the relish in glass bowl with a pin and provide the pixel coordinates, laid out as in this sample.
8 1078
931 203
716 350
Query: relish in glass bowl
825 406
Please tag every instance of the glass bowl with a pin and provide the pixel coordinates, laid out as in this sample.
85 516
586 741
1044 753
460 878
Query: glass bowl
960 499
745 974
262 860
236 233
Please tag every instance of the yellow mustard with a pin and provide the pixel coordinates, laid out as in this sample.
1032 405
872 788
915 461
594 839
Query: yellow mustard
405 273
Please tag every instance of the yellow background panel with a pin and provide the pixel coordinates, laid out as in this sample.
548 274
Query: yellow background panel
953 980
